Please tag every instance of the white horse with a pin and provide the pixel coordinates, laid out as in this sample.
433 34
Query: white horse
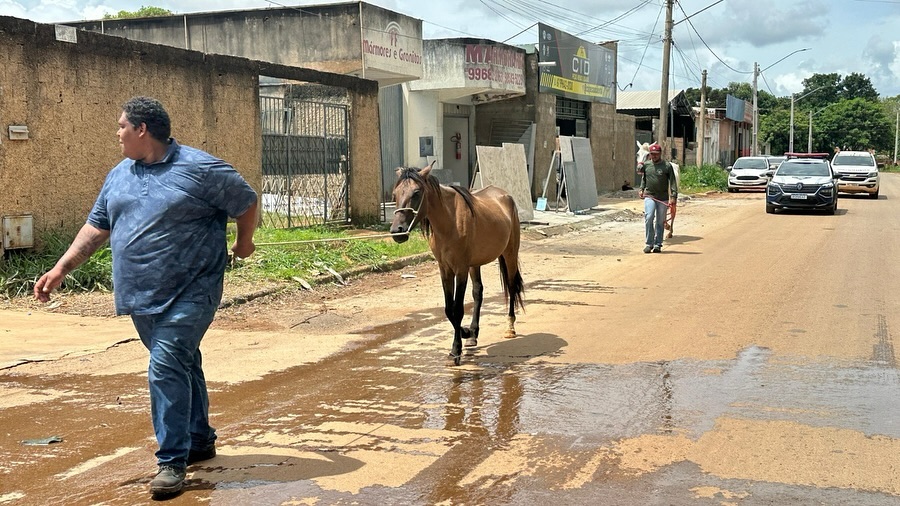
643 153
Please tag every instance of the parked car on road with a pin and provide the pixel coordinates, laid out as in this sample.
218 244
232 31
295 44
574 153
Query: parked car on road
775 161
858 172
748 173
803 181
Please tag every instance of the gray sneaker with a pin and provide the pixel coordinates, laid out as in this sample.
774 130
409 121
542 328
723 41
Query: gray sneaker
169 480
647 249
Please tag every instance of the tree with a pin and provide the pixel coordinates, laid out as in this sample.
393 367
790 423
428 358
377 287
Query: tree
827 87
857 85
143 12
774 130
856 124
847 112
716 97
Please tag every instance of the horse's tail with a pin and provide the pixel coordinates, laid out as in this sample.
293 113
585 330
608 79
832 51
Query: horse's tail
515 289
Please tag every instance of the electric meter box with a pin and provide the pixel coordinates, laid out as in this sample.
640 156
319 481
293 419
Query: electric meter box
18 231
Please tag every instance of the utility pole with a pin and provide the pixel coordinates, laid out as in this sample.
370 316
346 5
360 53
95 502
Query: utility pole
755 151
791 138
809 143
701 131
896 129
662 129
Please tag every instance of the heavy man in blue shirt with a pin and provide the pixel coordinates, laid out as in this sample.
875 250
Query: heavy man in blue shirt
164 209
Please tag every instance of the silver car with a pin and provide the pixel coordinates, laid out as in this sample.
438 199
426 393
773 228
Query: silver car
748 173
858 172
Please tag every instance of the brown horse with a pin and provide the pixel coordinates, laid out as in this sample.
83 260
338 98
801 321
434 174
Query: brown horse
465 231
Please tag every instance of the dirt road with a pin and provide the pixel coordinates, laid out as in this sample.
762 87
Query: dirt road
749 363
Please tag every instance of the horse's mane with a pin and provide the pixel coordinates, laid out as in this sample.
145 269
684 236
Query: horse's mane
432 183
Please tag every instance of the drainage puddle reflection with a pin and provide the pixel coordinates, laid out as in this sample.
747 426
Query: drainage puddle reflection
508 422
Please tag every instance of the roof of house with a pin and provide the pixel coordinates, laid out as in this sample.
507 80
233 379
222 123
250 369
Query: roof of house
643 100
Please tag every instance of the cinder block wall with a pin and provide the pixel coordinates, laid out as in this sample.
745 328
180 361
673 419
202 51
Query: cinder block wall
69 95
612 140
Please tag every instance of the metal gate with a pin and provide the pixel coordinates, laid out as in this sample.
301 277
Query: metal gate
305 163
390 112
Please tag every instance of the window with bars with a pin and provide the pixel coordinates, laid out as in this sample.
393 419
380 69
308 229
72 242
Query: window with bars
567 108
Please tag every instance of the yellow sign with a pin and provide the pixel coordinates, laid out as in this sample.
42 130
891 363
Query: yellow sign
579 88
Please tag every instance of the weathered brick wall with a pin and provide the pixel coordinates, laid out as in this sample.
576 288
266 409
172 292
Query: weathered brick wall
612 140
69 95
626 152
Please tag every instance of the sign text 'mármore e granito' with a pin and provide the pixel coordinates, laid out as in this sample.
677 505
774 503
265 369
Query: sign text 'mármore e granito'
392 53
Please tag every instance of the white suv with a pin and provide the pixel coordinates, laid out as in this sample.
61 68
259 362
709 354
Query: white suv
858 172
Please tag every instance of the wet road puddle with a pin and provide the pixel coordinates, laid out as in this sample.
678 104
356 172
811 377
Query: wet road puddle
390 422
507 424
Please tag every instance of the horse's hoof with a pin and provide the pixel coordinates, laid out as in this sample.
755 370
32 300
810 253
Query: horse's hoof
471 342
455 358
509 334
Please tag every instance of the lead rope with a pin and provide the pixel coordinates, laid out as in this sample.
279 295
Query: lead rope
337 239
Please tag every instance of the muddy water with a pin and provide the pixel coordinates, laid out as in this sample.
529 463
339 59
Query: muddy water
729 394
391 423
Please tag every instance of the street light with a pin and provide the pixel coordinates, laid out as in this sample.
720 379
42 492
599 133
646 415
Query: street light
809 141
756 73
791 138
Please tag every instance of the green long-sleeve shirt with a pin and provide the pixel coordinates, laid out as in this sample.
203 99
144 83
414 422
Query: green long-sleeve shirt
658 180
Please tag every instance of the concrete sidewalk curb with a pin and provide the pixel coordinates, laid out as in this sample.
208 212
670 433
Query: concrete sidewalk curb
595 220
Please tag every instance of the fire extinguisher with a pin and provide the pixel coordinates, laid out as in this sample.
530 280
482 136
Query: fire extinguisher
457 139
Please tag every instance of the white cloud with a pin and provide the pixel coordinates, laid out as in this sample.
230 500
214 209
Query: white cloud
740 32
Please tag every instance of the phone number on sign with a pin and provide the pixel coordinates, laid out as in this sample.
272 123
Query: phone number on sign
489 74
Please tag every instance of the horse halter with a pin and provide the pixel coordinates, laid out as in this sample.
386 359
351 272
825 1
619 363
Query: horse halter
415 214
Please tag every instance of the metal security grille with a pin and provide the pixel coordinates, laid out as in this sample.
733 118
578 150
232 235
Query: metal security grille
571 109
306 163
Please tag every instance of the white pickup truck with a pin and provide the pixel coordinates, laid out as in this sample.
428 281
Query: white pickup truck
858 172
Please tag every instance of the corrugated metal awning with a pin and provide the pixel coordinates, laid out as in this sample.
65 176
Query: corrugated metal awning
649 100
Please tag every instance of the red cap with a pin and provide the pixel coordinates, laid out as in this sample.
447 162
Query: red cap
655 148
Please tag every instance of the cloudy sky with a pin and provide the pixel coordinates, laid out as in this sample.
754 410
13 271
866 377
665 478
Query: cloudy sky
842 36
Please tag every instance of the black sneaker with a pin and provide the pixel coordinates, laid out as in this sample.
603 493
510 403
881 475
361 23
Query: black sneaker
657 249
169 480
647 249
201 454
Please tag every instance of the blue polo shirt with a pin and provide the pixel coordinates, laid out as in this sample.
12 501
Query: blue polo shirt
167 227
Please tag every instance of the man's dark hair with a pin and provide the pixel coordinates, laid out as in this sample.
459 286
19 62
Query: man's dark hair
150 112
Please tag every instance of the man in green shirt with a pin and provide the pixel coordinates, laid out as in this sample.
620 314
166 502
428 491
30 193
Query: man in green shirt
659 189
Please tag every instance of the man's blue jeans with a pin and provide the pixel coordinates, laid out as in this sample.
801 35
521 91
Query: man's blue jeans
654 221
179 405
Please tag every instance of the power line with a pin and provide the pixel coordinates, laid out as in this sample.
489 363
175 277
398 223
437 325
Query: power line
500 14
520 33
451 29
691 24
647 46
767 83
571 20
619 17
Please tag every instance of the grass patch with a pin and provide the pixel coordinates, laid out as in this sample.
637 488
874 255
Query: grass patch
19 270
703 179
890 168
309 259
